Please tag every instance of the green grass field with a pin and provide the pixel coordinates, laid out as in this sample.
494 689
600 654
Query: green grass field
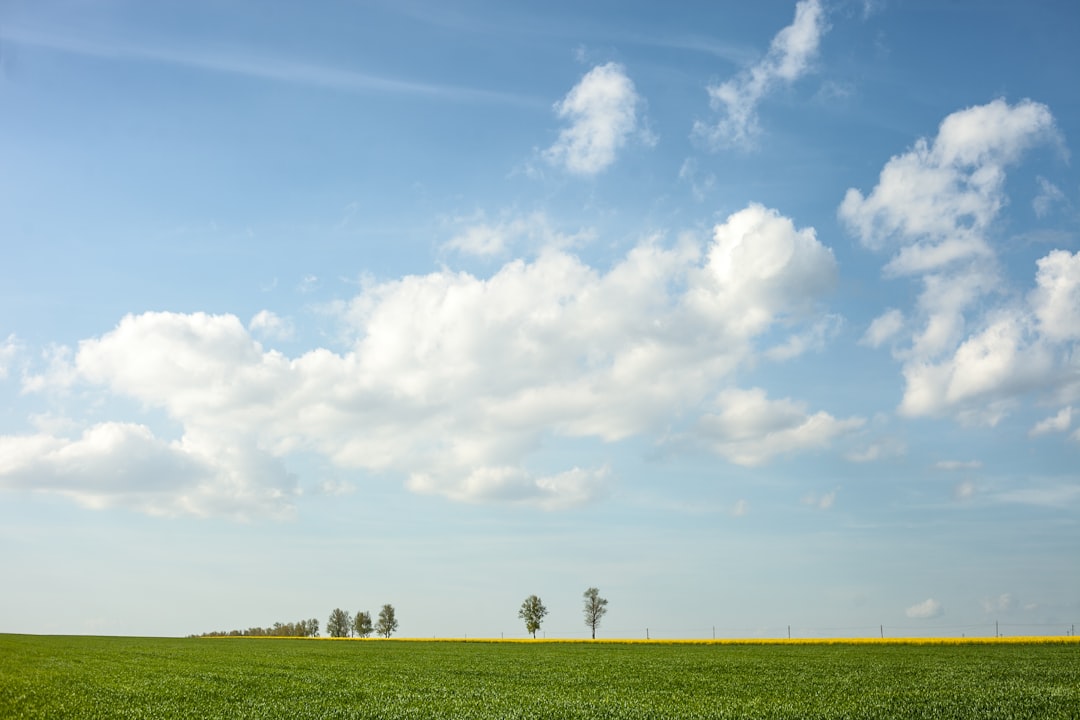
84 677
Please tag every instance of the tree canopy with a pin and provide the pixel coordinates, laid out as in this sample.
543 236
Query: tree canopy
387 621
340 623
532 612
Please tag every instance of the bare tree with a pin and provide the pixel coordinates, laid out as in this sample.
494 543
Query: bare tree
595 607
532 612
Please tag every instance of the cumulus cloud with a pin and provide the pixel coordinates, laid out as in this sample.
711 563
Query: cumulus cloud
123 464
789 57
603 115
929 608
934 209
453 382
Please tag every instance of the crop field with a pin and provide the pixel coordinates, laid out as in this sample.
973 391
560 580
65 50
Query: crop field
85 677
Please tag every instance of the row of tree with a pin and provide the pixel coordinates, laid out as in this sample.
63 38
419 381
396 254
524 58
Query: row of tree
300 628
342 624
533 611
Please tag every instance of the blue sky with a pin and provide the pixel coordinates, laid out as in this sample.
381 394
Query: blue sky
751 315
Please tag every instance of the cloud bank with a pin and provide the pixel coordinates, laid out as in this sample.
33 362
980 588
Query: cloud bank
450 381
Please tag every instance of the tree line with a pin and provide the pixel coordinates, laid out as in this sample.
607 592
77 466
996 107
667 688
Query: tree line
340 624
300 628
343 624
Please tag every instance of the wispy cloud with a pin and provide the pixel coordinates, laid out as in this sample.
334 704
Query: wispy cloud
485 238
789 58
260 66
8 350
1056 423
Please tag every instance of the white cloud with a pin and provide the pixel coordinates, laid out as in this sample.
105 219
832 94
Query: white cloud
1056 298
123 464
747 428
741 508
936 201
884 327
929 608
813 339
934 208
789 58
271 326
760 266
483 238
1055 423
452 382
602 111
888 448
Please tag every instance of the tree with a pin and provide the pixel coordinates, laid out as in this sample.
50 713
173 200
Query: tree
362 624
532 612
339 623
387 621
595 607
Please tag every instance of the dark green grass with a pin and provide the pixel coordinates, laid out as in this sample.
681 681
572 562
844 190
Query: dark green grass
82 677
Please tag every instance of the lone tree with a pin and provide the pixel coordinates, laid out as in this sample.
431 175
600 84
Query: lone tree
595 607
339 623
362 624
532 612
387 622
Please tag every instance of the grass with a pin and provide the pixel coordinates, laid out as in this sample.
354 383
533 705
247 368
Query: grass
84 677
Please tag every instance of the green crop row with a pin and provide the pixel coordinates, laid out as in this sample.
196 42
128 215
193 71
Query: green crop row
91 678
